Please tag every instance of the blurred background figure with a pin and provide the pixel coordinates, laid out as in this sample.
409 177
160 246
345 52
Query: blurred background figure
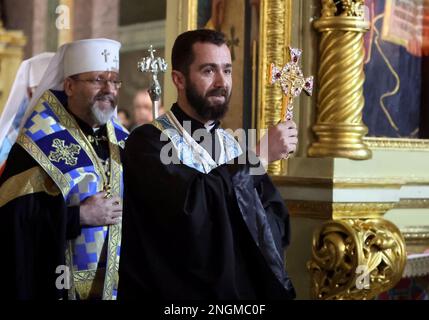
142 108
27 79
124 118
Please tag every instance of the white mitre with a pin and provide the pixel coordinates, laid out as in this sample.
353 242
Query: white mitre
38 66
74 58
91 55
29 75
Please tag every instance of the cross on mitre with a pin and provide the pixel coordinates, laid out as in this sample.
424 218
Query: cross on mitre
292 82
106 54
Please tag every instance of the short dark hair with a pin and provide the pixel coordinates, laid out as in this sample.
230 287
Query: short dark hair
182 54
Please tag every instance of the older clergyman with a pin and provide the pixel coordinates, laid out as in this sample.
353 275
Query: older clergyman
60 194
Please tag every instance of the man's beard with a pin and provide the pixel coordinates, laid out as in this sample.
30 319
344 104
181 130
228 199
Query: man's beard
99 115
203 107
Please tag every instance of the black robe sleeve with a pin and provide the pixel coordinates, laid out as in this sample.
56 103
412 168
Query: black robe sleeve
183 236
35 229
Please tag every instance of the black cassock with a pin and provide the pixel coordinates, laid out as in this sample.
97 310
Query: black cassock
189 235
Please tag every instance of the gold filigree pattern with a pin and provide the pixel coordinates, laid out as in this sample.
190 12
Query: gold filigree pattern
393 182
111 279
416 238
62 181
361 209
71 294
356 259
413 204
339 126
28 182
89 283
352 8
397 144
339 210
345 8
114 241
66 153
73 128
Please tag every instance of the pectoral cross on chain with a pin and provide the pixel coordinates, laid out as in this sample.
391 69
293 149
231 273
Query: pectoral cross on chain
292 82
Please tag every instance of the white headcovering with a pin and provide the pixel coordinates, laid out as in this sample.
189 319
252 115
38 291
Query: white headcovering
29 74
74 58
91 55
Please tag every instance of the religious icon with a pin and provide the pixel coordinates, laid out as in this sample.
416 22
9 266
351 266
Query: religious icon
396 69
211 14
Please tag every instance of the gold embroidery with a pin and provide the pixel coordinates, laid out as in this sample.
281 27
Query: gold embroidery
63 152
114 240
69 262
28 182
68 122
62 181
113 183
157 125
89 283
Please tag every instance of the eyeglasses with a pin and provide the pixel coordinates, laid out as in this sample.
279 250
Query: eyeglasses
100 83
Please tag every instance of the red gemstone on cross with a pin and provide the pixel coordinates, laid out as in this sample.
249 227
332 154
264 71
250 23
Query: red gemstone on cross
278 75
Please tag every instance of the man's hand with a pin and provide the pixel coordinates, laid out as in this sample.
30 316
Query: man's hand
99 211
278 143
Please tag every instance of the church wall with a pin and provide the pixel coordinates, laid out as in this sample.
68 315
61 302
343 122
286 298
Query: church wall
96 19
141 24
233 28
28 16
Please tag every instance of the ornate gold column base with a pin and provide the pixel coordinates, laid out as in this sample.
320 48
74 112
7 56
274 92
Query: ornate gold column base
340 140
356 259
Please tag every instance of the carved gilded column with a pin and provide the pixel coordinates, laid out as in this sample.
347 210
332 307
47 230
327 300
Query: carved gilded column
275 34
339 127
181 16
11 53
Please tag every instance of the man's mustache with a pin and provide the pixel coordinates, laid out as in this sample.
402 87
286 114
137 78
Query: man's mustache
218 92
109 97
